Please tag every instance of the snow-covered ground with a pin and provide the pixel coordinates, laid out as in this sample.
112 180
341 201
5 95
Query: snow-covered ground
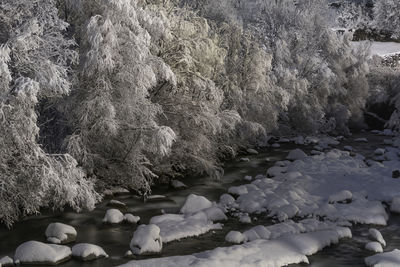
383 49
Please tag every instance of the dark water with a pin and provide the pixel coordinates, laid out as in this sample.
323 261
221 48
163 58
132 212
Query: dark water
115 239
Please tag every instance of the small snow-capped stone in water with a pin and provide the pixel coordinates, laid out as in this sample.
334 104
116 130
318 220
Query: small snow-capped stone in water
377 236
245 218
275 145
128 254
130 218
348 148
215 214
396 174
176 184
387 259
59 233
296 154
379 151
267 159
252 151
226 200
6 261
374 247
116 204
361 140
34 252
146 239
195 203
235 237
248 178
88 252
244 160
343 196
113 216
395 206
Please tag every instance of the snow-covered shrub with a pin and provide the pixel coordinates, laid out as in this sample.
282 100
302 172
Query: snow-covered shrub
387 17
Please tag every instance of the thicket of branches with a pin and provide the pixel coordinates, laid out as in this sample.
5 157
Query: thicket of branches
100 93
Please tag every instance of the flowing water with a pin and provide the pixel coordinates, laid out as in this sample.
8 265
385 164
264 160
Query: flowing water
115 239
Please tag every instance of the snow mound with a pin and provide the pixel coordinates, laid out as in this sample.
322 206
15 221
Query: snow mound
395 205
34 252
387 259
88 252
374 247
377 236
252 151
341 197
235 237
6 261
296 154
195 203
146 239
59 233
130 218
113 216
290 249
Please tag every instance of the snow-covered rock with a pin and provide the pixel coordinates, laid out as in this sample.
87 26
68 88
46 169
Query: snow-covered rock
146 239
374 247
59 233
248 178
377 236
116 204
6 261
176 184
252 151
379 152
275 145
215 214
296 154
130 218
361 140
343 196
244 218
235 237
88 252
226 200
387 259
348 148
195 203
34 252
395 205
287 250
238 190
244 160
113 216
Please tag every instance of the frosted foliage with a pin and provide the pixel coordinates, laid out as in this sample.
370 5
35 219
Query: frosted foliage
34 65
116 121
386 17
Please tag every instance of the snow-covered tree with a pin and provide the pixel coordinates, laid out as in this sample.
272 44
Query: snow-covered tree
387 17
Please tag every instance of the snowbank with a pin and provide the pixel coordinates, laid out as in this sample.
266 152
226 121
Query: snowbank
59 233
146 239
273 253
34 252
387 259
88 252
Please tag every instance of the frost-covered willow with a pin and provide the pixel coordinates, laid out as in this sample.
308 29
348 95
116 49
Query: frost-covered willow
34 59
116 131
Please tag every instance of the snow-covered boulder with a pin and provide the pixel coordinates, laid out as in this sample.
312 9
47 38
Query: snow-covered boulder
178 185
6 262
146 239
235 237
248 178
252 151
34 252
377 236
244 160
238 190
343 196
88 252
387 259
215 214
379 152
395 205
244 218
195 203
59 233
374 247
226 200
296 154
113 216
130 218
348 148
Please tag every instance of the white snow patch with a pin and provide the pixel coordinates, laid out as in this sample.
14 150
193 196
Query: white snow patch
146 239
130 218
88 251
59 233
6 261
341 196
387 259
374 247
35 252
113 216
195 203
377 236
382 49
235 237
